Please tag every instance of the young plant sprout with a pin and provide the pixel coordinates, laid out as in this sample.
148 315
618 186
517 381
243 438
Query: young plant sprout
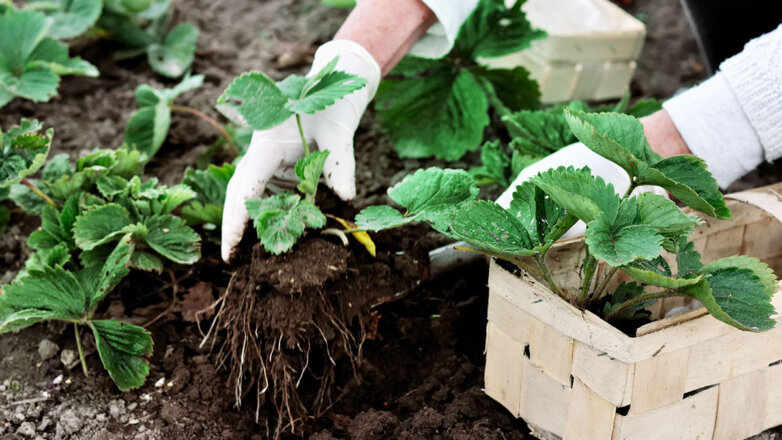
253 100
55 285
627 233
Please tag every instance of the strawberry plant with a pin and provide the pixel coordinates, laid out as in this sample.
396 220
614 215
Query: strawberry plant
253 100
142 27
31 67
440 107
53 293
537 133
148 126
627 233
70 18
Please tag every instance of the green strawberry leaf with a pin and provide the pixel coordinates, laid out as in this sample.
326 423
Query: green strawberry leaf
496 165
210 186
146 261
539 133
99 281
281 219
625 292
111 186
494 30
58 166
579 193
172 238
323 89
759 269
49 293
736 297
687 258
148 126
24 151
441 114
69 18
620 139
510 90
100 225
656 272
376 218
544 220
664 216
123 348
618 246
486 226
174 56
253 100
309 169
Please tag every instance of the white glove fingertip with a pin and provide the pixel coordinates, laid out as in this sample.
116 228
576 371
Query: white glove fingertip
340 171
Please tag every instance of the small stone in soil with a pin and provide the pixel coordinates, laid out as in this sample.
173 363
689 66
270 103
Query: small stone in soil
47 349
70 422
27 429
69 358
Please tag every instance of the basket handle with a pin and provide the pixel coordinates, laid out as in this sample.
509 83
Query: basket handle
767 199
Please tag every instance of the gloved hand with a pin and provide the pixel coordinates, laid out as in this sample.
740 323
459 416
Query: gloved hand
276 151
578 155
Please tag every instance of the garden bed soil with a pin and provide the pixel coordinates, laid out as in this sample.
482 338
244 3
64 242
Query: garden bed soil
420 369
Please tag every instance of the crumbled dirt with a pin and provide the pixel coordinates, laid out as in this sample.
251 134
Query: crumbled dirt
420 372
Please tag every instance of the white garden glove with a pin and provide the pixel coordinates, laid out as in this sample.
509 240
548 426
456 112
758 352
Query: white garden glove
276 151
578 155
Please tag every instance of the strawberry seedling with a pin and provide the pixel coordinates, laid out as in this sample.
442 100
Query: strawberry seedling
253 100
31 67
627 233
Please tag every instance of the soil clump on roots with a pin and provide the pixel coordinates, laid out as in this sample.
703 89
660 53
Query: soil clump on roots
287 322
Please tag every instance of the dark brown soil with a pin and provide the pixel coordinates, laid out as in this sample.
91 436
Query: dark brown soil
420 370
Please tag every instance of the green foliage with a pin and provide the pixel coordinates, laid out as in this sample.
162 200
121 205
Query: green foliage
210 186
70 18
281 220
53 293
625 292
148 126
431 195
537 133
627 233
24 151
440 107
142 27
31 67
621 140
254 100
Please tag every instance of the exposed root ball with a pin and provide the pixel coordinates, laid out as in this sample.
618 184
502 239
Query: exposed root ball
290 319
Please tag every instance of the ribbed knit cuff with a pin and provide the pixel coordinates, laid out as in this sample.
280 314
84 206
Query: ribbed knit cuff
755 75
715 128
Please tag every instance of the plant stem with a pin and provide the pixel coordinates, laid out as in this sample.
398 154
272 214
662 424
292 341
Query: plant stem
37 191
630 188
637 299
81 350
301 133
541 260
209 120
604 283
590 266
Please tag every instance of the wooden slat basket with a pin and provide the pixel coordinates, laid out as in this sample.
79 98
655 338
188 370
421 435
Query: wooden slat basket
571 375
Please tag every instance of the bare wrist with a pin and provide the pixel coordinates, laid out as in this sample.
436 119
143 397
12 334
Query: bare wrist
663 136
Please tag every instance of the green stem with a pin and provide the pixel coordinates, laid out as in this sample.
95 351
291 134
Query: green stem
590 266
637 299
630 188
604 283
301 133
80 349
40 193
209 120
541 260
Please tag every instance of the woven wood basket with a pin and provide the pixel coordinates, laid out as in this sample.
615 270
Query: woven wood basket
571 375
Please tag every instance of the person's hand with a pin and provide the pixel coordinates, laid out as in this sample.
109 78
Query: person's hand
578 155
276 151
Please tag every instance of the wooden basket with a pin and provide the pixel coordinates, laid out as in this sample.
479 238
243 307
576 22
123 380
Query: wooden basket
571 375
